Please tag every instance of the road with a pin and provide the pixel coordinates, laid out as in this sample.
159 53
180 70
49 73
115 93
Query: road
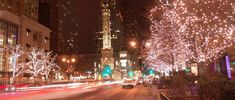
106 92
113 93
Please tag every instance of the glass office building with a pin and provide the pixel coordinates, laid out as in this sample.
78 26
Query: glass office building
8 37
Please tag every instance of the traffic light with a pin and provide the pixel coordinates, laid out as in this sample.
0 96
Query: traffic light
188 70
131 74
151 72
106 71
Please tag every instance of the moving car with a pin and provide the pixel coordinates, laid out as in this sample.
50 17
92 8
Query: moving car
128 84
10 88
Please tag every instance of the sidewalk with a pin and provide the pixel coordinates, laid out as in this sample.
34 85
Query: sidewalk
154 91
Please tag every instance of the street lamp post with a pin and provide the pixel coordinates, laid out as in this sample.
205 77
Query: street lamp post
69 67
139 49
133 48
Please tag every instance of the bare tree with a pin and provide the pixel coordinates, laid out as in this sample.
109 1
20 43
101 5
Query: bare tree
15 53
35 62
48 64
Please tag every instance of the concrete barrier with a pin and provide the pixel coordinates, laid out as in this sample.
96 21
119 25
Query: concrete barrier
162 93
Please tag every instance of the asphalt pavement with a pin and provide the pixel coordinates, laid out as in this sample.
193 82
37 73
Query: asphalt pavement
104 92
113 92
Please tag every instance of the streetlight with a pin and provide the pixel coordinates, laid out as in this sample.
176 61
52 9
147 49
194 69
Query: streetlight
133 44
133 56
69 68
73 59
147 44
64 59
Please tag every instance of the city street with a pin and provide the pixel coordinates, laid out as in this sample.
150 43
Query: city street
113 93
90 92
117 49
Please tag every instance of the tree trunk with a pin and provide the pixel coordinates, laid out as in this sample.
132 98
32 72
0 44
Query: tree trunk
201 68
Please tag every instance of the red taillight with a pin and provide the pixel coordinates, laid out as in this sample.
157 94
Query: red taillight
3 87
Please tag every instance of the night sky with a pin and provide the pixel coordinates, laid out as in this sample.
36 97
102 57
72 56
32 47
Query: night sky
89 20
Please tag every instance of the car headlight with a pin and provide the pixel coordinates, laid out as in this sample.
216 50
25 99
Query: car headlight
13 88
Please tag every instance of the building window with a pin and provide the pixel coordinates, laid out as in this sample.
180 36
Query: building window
27 60
1 58
12 32
1 25
8 33
8 36
28 46
27 32
2 38
46 39
35 37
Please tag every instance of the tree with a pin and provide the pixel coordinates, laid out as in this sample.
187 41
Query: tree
41 63
15 53
191 30
206 25
35 62
168 48
48 64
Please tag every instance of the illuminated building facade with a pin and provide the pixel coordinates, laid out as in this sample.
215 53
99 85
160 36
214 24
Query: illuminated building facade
27 8
107 58
111 37
18 25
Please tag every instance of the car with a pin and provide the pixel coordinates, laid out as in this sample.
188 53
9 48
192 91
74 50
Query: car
146 84
10 88
138 82
128 84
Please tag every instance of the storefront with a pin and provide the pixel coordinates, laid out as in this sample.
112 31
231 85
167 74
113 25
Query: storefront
8 36
224 65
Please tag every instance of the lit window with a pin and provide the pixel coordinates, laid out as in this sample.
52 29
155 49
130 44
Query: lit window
123 55
27 32
46 39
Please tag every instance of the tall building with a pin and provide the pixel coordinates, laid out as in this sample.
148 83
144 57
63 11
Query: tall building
116 25
118 40
18 25
111 24
10 5
48 16
68 27
61 17
29 8
107 59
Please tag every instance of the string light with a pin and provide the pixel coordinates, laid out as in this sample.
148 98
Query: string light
190 29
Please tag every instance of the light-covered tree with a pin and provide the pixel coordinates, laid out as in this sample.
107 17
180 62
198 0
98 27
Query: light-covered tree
15 53
208 26
193 30
167 46
48 64
35 62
